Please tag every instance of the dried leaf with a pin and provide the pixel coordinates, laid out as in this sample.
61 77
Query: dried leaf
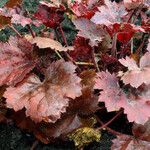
43 42
46 100
84 136
12 3
4 21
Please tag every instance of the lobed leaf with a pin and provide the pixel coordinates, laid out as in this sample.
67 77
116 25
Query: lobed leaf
16 60
46 100
115 98
136 76
110 13
88 30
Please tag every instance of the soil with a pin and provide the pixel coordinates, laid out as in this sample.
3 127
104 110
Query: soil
12 138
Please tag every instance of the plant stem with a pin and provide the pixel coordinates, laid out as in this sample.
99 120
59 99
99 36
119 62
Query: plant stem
110 121
137 13
31 31
84 63
34 145
141 45
67 56
114 49
94 60
63 35
58 54
109 129
13 28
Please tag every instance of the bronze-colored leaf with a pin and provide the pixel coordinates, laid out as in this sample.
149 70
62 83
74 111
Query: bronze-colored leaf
12 3
4 21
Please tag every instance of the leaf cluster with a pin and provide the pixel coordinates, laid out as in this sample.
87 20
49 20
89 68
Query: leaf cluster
59 89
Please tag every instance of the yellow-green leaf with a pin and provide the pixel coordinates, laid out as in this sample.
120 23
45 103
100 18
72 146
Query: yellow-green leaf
84 136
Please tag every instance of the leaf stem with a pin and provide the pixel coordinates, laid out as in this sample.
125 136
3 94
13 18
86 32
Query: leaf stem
110 121
67 56
114 43
94 60
31 31
13 28
63 35
109 129
84 63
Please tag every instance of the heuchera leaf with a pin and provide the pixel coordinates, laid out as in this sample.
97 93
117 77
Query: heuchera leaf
46 100
136 75
148 47
87 100
115 98
110 13
43 42
139 141
129 143
84 136
49 15
4 21
125 31
46 132
19 19
12 3
142 132
16 60
88 30
83 8
17 16
132 4
82 50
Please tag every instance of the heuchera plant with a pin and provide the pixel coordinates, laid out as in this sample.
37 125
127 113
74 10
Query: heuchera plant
59 90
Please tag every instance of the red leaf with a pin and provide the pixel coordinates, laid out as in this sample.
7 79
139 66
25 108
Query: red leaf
82 9
124 37
88 30
46 100
16 60
82 50
49 15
